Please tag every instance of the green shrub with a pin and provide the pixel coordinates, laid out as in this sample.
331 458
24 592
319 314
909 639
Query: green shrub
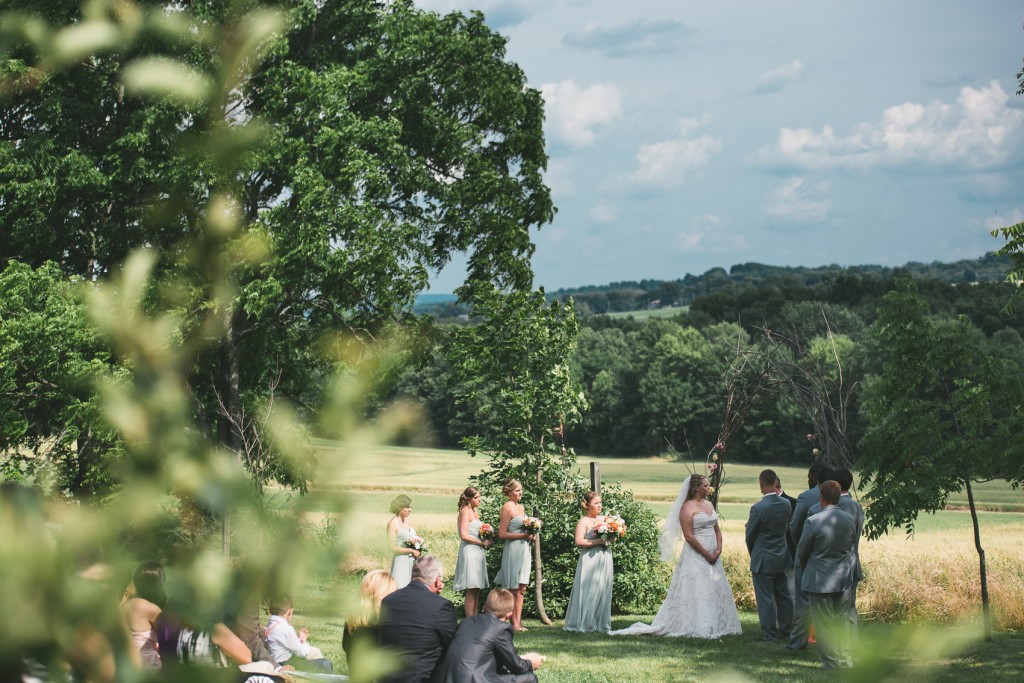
641 580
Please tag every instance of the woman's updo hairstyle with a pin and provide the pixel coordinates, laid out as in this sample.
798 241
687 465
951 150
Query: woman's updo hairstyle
402 501
510 486
467 495
695 480
591 495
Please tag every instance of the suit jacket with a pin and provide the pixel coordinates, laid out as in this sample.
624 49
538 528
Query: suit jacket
804 502
418 625
825 551
767 531
790 543
848 504
482 652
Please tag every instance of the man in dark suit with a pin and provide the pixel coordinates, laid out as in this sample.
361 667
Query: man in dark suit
826 555
482 651
790 543
416 623
766 534
801 601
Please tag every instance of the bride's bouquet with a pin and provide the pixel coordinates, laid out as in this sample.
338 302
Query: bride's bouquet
611 528
532 525
487 532
416 543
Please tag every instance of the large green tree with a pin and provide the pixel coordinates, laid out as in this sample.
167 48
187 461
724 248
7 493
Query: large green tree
943 414
390 139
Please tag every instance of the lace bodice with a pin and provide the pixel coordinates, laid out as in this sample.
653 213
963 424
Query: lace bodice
704 530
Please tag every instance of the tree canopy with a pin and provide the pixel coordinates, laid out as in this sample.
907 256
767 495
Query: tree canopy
378 141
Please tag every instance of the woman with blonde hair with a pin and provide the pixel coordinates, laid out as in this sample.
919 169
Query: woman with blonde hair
400 534
471 565
362 626
516 561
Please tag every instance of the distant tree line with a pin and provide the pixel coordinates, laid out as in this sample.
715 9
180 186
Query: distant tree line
637 295
657 385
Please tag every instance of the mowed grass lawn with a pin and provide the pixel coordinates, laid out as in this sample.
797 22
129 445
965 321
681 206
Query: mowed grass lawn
936 567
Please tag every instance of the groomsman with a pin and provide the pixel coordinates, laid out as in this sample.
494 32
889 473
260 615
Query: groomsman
766 535
826 554
844 478
792 505
801 630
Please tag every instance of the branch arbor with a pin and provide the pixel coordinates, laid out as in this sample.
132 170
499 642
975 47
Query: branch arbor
943 415
808 373
371 143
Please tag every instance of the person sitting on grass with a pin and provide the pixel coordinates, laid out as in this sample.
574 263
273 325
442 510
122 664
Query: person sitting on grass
289 646
482 650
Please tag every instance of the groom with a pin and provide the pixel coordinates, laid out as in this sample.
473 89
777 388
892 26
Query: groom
767 534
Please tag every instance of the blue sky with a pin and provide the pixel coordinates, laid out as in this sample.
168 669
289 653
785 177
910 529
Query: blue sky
688 135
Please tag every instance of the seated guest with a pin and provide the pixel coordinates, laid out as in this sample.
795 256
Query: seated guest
289 646
416 623
142 608
482 651
361 628
184 643
242 613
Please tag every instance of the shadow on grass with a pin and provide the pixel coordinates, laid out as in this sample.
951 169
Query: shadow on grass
896 654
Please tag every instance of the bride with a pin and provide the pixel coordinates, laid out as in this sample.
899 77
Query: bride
699 602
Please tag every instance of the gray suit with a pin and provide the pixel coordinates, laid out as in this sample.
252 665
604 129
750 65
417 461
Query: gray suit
767 534
801 601
826 555
848 504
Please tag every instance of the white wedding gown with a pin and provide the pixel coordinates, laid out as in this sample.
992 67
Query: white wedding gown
699 603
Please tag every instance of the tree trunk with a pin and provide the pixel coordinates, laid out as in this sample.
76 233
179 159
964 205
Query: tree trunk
986 609
539 590
228 424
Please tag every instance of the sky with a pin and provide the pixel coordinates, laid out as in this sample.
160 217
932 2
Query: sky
685 136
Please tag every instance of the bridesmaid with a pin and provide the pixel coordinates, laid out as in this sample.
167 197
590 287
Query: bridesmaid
399 532
590 605
471 566
516 561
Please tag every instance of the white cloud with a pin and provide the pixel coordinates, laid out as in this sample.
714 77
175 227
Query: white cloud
574 112
604 212
709 233
559 179
498 13
977 132
623 39
798 201
778 78
997 221
667 163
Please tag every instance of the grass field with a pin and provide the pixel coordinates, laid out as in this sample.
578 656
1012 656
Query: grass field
931 577
667 312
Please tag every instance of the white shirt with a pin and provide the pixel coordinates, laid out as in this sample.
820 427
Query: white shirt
283 641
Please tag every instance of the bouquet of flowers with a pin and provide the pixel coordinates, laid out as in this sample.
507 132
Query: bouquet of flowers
610 528
532 525
487 532
416 543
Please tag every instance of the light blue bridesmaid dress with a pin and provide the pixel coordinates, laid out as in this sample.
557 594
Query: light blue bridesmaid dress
471 566
516 558
401 566
590 605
